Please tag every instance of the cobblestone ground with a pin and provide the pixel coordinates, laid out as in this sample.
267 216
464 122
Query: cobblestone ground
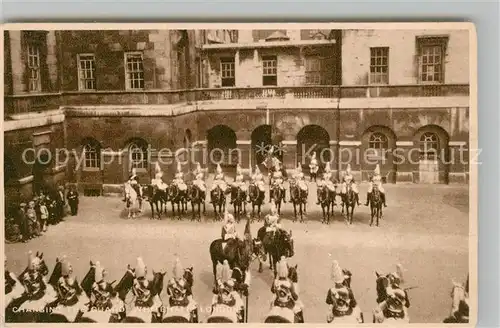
425 228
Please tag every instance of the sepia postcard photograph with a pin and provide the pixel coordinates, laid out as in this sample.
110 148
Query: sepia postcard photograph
240 173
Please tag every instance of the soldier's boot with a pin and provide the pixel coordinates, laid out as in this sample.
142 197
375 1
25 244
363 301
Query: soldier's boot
382 195
367 199
284 195
241 316
194 316
299 317
357 199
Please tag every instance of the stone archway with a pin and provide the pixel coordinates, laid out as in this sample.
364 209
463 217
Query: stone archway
222 147
313 138
432 142
377 145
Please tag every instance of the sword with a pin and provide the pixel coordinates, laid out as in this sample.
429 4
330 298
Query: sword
246 305
410 288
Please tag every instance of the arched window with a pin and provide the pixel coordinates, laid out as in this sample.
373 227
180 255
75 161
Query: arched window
429 145
378 141
138 154
92 155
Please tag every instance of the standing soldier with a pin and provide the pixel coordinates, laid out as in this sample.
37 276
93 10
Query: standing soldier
376 180
61 203
32 220
73 201
313 166
44 216
277 179
349 180
340 297
23 222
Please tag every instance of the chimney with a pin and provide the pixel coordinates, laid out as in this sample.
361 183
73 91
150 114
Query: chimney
245 36
294 35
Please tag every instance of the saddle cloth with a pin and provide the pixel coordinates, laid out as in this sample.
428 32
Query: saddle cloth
222 310
282 312
179 311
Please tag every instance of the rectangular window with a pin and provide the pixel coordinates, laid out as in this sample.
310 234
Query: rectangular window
92 158
314 67
134 71
86 72
227 72
269 70
35 82
379 65
431 52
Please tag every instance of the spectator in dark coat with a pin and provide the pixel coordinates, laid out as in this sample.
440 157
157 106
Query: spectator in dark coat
73 201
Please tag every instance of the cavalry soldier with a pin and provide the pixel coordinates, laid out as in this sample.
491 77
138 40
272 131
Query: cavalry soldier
397 299
157 182
376 179
199 182
286 291
228 232
179 178
180 293
327 180
277 179
133 180
349 180
299 177
313 165
272 220
219 180
142 289
68 289
32 280
102 291
238 181
225 290
258 179
340 297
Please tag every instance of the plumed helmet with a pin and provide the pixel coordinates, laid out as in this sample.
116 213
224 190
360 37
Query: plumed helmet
274 210
66 268
282 268
32 261
348 169
377 170
198 166
219 169
157 168
179 167
158 175
99 272
134 171
327 167
397 276
257 171
337 274
238 168
178 271
299 167
313 156
229 217
140 268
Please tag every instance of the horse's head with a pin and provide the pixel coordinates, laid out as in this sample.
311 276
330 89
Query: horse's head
293 274
347 277
41 266
89 279
189 276
286 242
125 283
238 275
157 284
381 282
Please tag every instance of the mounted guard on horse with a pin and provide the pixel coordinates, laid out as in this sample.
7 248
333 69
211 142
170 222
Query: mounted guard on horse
157 182
229 234
227 303
181 305
238 183
199 180
348 181
376 180
272 222
133 181
393 301
179 179
327 182
277 180
286 305
343 307
259 185
219 182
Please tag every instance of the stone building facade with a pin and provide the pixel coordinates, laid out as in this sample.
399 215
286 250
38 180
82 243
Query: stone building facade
121 99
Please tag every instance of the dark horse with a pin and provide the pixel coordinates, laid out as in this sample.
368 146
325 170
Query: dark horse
326 199
276 195
239 201
218 197
256 198
276 244
177 197
375 205
196 197
299 198
156 198
349 201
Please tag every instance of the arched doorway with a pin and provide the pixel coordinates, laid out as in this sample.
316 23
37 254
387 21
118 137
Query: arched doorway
313 138
261 142
222 148
432 142
377 144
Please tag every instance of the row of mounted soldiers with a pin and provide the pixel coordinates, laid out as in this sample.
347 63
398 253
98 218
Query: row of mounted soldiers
31 219
30 297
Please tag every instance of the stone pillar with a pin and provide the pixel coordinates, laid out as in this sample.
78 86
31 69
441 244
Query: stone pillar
406 161
334 158
245 147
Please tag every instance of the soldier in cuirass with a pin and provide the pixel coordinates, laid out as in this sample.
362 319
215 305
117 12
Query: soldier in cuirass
238 181
272 220
225 292
133 180
102 292
68 289
258 179
199 181
179 178
277 179
397 299
178 289
376 180
340 297
327 180
157 182
349 181
313 165
32 280
142 286
219 180
286 291
228 231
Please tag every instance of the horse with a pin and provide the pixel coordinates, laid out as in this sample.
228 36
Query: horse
349 202
133 202
326 199
299 198
256 197
375 205
460 305
196 196
276 195
276 244
180 312
379 316
238 198
157 198
177 197
218 197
